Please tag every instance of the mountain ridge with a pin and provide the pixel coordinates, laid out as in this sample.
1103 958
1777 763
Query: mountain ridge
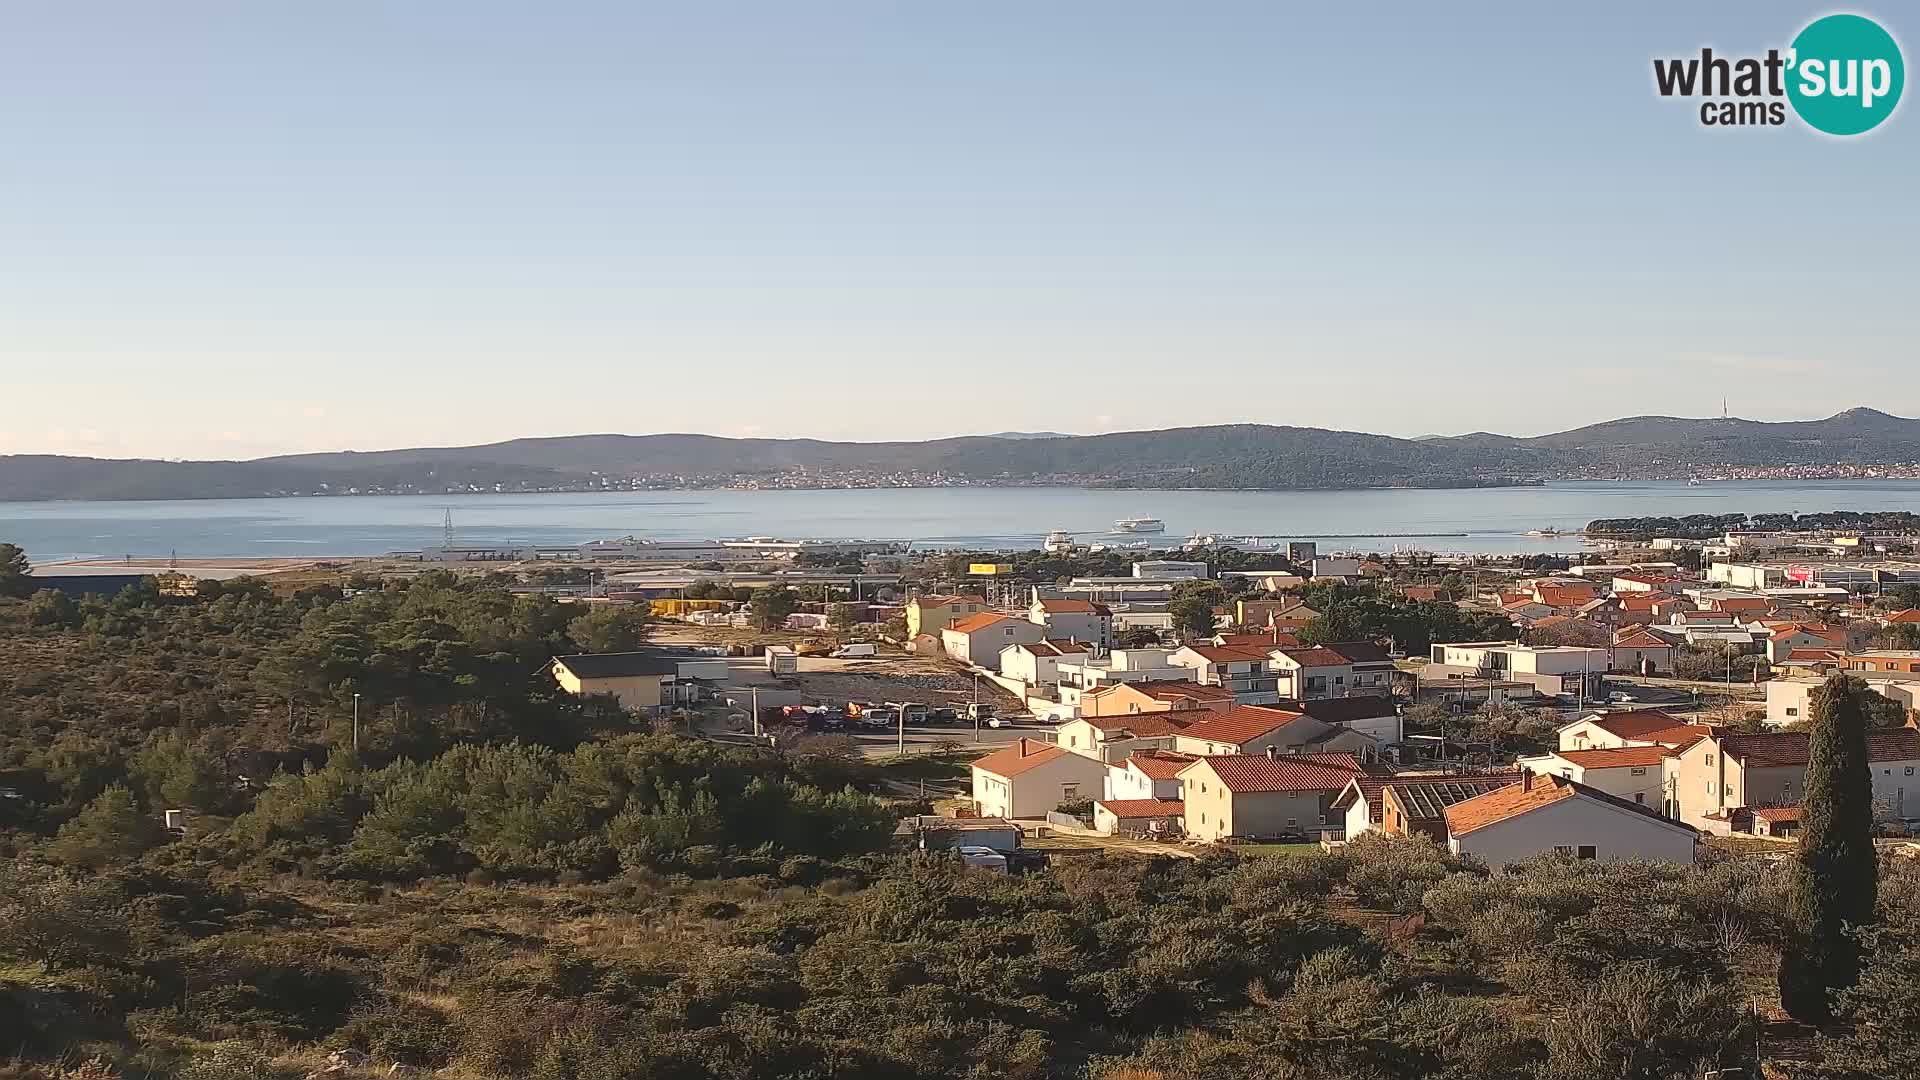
1223 456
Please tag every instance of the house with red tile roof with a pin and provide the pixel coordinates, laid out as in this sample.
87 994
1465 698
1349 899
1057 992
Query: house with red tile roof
1247 672
1163 816
1639 650
1147 774
932 614
1121 699
1037 663
1318 671
1544 815
1414 805
1028 779
978 639
1074 620
1903 617
1254 729
1636 727
1258 796
1112 738
1634 773
1732 771
1784 637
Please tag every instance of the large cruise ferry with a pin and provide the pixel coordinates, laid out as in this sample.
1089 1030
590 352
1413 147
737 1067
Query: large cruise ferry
1140 525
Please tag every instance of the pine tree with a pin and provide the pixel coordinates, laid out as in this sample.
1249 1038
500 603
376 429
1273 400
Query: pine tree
1835 873
111 829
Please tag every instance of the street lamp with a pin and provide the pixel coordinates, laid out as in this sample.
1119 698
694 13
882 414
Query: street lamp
356 723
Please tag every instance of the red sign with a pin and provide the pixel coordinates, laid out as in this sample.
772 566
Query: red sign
1801 574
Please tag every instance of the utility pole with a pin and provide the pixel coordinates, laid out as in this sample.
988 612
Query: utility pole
976 707
900 727
356 723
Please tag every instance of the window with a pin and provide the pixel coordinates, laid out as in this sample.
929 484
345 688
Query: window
1709 787
1069 792
1640 797
1637 770
1563 849
1709 759
1792 711
1292 822
1203 819
1588 851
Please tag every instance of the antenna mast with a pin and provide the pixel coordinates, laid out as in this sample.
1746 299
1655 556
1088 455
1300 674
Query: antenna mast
448 527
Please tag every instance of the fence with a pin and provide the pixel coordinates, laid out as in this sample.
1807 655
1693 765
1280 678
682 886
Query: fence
1068 821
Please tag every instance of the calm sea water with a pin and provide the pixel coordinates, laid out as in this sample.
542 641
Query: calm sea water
1484 519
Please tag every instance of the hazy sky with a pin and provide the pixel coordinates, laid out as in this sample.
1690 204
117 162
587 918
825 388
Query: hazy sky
233 229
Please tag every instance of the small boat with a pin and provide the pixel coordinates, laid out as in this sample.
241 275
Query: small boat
1549 531
1140 525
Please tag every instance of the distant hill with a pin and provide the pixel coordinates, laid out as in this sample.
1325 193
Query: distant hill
1228 456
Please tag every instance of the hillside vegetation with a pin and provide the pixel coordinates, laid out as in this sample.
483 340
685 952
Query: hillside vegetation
1233 456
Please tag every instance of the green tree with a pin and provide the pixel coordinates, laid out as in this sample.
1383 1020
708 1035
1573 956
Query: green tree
174 772
14 578
841 616
611 628
51 607
1835 872
1192 617
111 829
58 921
772 605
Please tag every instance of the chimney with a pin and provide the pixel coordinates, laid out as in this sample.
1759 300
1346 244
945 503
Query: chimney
1526 779
1273 752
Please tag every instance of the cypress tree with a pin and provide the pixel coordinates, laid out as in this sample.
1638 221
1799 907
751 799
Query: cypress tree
1835 872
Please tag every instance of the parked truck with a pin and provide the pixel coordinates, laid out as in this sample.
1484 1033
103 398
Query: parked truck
782 660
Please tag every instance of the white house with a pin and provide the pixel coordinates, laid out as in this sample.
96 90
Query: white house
1074 620
1634 773
1147 774
1639 727
1310 673
1112 738
1554 815
1247 672
1029 779
978 639
1252 729
1038 663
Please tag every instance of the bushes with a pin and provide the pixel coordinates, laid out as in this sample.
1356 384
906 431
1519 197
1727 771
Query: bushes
1393 873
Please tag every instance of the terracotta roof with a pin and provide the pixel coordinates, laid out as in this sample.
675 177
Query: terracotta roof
1825 633
1640 638
1428 798
1240 724
1636 724
1164 690
1072 607
1786 749
1150 725
975 623
1315 657
1221 654
1363 787
1261 642
1160 764
1562 595
1022 755
1358 652
1054 647
1616 758
1743 603
1252 774
1681 736
1904 615
1775 813
1516 799
1817 656
1139 808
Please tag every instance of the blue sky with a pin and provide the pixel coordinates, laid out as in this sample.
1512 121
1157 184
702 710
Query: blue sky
234 229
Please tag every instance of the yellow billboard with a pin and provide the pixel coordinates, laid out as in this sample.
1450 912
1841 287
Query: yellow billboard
989 569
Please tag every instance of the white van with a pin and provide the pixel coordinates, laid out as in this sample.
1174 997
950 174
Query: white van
851 652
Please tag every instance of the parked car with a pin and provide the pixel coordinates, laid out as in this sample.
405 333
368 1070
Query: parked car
1000 722
849 652
879 718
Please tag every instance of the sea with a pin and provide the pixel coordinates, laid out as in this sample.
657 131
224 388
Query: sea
1489 520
